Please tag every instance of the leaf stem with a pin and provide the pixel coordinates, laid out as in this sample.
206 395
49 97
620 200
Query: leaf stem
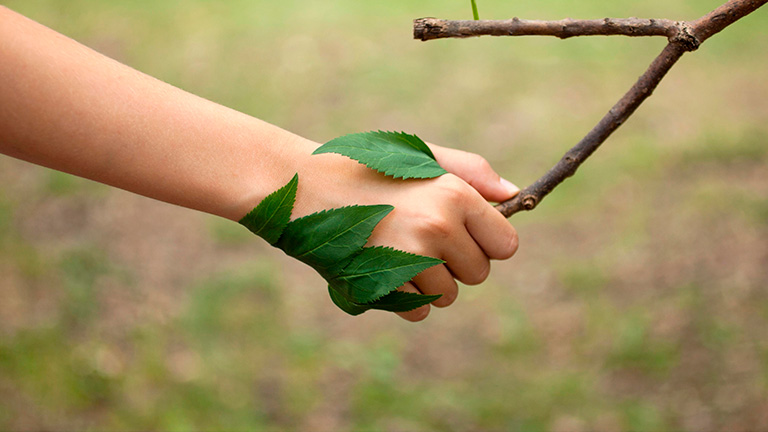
474 11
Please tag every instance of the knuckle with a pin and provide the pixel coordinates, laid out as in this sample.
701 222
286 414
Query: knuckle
479 163
451 182
455 191
437 225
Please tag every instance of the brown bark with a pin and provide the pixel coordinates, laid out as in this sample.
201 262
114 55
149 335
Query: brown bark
433 28
683 36
566 167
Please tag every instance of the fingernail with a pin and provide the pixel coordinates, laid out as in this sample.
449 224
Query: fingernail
509 186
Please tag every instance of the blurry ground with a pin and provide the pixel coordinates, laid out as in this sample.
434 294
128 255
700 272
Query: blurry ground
638 299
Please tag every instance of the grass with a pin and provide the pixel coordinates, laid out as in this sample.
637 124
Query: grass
636 302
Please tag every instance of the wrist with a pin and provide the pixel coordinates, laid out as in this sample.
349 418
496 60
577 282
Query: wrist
265 165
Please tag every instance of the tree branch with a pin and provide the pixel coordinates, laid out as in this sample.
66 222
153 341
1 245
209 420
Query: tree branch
433 28
683 36
530 197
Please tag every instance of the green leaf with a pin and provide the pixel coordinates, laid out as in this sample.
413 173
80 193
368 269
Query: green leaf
327 240
396 301
271 216
377 271
346 305
395 154
332 242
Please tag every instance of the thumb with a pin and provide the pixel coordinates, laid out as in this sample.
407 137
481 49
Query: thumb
476 171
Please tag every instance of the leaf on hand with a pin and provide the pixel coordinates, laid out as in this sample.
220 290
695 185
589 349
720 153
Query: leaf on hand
327 240
346 305
332 241
395 154
396 301
271 216
376 271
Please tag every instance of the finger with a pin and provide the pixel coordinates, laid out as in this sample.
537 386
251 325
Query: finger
492 232
466 260
438 280
475 170
417 314
490 185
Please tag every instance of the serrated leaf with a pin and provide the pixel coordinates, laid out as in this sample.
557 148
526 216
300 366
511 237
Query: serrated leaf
396 301
271 216
377 271
332 242
346 305
327 240
395 154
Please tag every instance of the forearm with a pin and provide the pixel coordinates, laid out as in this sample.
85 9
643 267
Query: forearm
70 108
67 107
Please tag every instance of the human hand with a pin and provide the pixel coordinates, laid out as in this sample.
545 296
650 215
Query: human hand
147 137
447 217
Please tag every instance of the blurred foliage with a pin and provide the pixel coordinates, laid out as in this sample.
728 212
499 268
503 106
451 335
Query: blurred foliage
637 300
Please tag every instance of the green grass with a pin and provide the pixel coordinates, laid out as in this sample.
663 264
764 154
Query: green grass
636 302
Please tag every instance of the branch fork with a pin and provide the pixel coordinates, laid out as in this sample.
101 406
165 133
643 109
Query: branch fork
683 36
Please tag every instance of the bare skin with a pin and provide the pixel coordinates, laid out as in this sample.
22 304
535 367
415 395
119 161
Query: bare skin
69 108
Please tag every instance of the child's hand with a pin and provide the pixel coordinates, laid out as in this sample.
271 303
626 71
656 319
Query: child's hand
447 217
69 108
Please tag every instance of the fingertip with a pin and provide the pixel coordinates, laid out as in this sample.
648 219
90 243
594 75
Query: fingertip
500 189
508 244
493 233
446 299
514 244
416 315
495 188
510 188
438 280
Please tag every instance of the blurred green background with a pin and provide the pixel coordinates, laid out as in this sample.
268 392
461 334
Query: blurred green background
638 299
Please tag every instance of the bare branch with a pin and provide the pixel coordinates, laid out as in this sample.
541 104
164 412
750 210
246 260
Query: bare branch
433 28
530 197
720 18
683 36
